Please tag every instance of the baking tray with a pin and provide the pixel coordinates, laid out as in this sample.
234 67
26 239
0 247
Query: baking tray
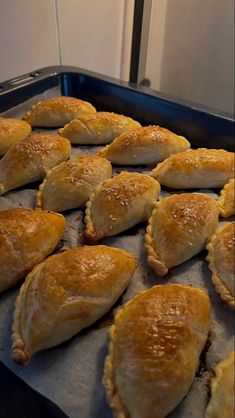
70 374
204 126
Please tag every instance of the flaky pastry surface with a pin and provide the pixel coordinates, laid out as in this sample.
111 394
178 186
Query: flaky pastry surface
97 128
200 168
56 112
66 293
179 228
226 201
70 184
221 404
26 238
120 203
154 350
146 145
11 132
30 159
221 250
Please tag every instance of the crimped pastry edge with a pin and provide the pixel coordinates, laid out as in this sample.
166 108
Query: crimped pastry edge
28 114
221 202
102 151
26 117
220 367
38 199
72 138
112 396
118 408
90 234
216 381
61 130
153 258
2 189
19 353
220 288
113 399
155 171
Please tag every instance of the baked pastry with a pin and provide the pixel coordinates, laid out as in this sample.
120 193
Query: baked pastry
227 200
221 404
97 128
66 293
179 228
70 184
30 159
154 350
144 146
11 132
26 238
200 168
120 203
55 112
221 250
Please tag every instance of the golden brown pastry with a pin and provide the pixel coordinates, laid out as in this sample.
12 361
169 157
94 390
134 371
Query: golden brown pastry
120 203
144 146
99 128
26 238
70 184
66 293
55 112
179 228
221 404
221 261
11 132
227 200
200 168
154 350
30 159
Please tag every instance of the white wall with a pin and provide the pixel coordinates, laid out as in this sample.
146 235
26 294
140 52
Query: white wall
191 50
91 34
28 36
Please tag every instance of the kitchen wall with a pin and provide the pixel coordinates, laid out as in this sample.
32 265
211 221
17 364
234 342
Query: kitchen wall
91 34
191 50
28 36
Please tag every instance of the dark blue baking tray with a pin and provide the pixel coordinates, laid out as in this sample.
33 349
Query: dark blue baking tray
203 126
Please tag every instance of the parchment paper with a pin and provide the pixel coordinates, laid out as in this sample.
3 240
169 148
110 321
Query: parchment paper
70 374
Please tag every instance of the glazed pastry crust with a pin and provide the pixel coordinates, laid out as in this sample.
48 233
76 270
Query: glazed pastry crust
26 238
179 228
98 128
66 293
120 203
56 112
201 168
221 404
144 146
221 249
69 185
154 350
30 159
226 201
11 132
